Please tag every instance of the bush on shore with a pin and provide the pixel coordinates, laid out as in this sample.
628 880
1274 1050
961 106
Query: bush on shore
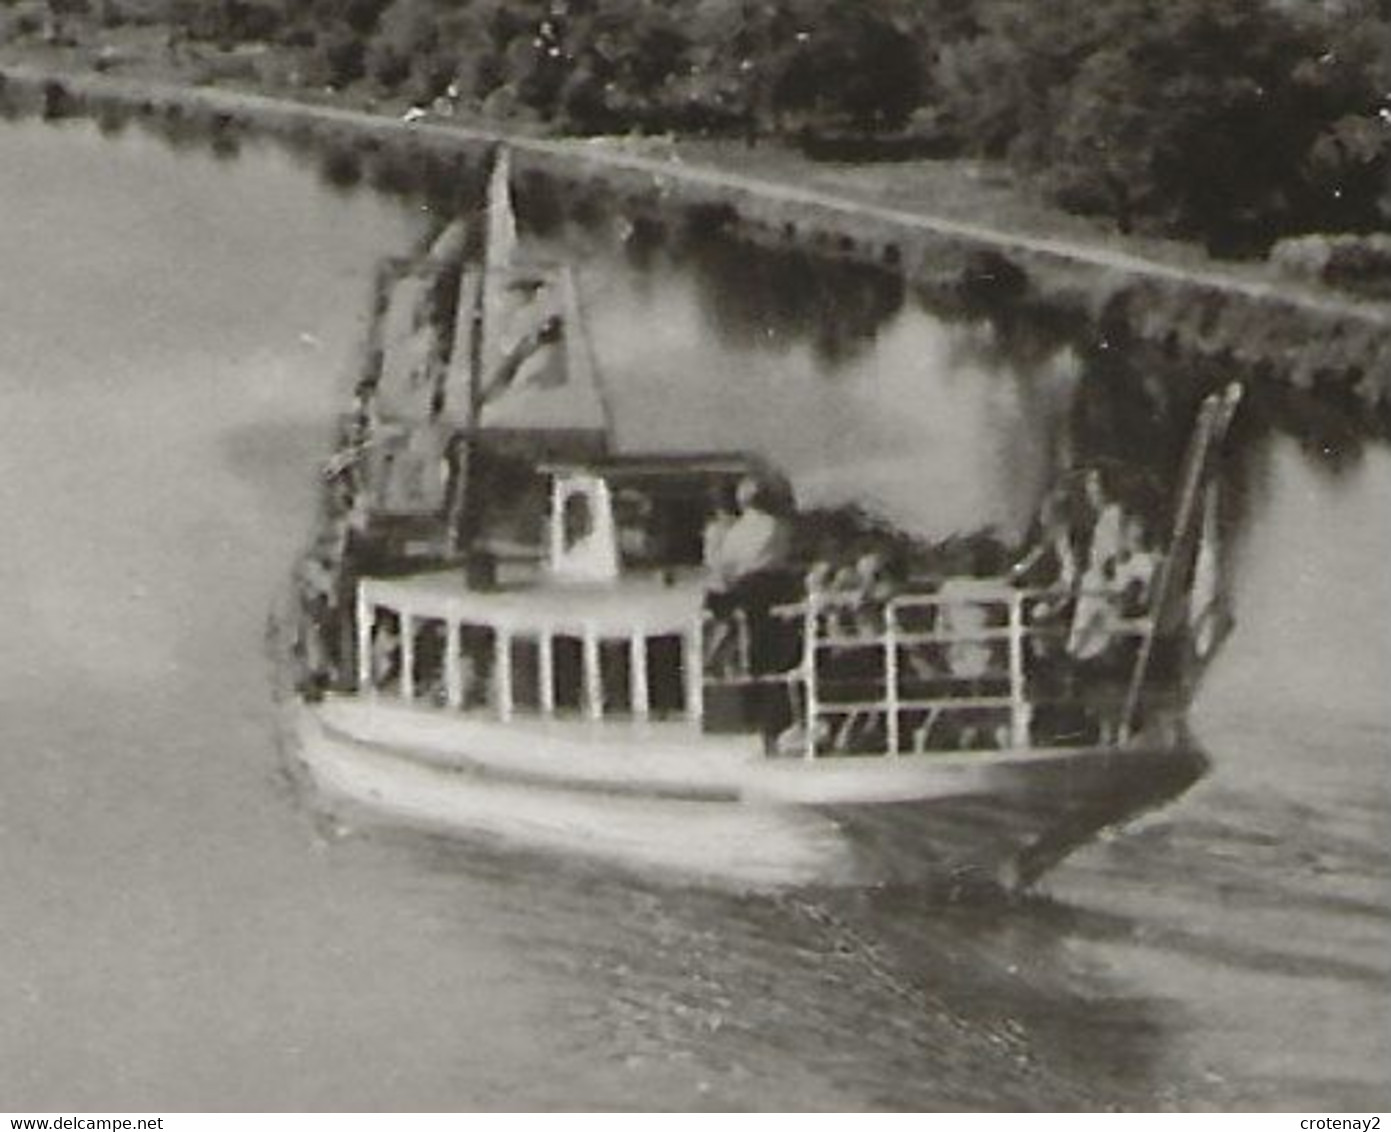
1354 263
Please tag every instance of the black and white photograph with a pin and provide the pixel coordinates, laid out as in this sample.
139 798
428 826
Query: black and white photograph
695 556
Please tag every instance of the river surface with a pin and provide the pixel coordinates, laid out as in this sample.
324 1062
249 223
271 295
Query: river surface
176 932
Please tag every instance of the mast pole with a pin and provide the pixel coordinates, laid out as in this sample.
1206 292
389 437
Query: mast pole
1213 418
498 236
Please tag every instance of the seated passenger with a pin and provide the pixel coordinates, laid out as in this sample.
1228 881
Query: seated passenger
1092 619
1052 561
874 589
386 654
1135 568
819 577
1107 521
1112 589
866 593
842 595
970 656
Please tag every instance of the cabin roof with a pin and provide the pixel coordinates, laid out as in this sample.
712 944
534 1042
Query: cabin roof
657 465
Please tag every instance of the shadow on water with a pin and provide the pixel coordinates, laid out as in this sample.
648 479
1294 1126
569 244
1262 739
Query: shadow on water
885 1000
751 296
892 999
768 298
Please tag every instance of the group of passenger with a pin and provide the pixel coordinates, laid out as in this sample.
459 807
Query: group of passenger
1100 561
1090 567
852 595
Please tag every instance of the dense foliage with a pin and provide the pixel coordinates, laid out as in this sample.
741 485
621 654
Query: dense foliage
1234 121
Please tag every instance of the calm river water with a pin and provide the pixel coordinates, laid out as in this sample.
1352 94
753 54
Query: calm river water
178 329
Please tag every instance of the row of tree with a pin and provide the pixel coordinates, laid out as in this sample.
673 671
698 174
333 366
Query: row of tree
1234 121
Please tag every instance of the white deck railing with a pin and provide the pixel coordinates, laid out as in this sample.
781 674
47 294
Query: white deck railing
908 664
390 630
893 671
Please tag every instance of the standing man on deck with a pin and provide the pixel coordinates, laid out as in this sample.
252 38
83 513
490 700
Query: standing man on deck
748 564
756 542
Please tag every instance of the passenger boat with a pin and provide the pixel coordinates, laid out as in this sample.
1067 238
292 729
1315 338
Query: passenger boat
506 631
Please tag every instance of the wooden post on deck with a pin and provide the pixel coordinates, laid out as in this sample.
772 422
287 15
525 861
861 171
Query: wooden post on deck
453 670
545 672
693 669
593 676
637 675
407 656
502 672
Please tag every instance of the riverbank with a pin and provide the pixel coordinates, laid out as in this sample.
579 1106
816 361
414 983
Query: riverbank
1243 318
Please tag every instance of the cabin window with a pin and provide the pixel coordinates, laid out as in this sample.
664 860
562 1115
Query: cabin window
475 644
666 684
525 655
633 522
660 528
615 676
568 680
427 660
385 659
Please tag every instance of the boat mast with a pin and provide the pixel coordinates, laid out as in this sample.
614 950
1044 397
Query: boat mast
499 245
1213 419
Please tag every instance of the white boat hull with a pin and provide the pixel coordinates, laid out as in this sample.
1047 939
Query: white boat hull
712 808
